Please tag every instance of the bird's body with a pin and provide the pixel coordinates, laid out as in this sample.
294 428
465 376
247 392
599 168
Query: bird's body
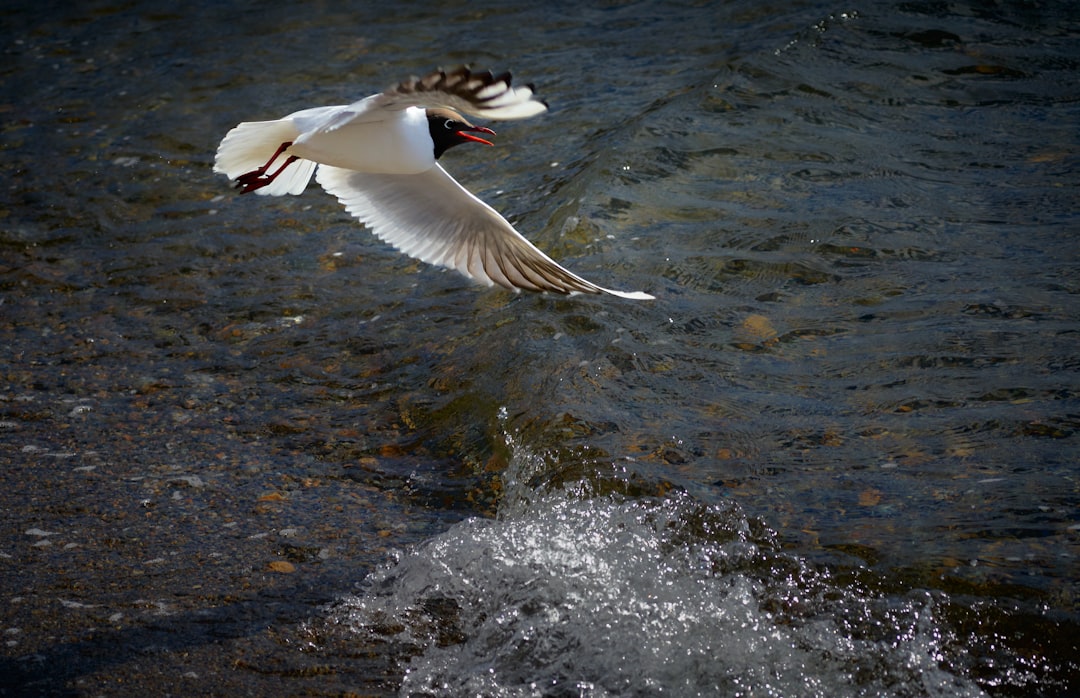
399 145
379 155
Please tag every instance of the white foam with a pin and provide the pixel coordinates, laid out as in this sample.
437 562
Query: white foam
613 596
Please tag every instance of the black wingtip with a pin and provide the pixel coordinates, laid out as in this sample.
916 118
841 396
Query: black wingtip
532 86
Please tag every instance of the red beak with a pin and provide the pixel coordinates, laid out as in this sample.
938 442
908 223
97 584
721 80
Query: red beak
477 129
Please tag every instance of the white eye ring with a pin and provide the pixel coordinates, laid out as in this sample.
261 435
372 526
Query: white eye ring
447 124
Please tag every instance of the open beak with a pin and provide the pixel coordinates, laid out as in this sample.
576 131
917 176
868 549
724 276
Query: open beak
476 129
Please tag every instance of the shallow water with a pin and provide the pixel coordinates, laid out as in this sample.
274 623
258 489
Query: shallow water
249 449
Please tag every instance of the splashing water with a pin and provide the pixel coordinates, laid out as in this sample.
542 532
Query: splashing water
620 596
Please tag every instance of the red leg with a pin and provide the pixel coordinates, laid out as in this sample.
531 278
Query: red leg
257 178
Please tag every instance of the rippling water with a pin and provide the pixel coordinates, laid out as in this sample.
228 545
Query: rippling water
252 450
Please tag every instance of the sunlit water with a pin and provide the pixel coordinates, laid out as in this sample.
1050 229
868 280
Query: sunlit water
640 596
836 456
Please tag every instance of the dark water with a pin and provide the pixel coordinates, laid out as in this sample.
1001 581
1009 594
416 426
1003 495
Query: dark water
249 450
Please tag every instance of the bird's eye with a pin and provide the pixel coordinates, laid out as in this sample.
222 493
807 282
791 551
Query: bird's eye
449 124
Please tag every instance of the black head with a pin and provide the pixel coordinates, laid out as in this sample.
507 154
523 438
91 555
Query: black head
448 128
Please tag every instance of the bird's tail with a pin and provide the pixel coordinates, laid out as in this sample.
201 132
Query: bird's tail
255 149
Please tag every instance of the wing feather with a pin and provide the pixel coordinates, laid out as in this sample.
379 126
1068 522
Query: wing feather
479 94
431 217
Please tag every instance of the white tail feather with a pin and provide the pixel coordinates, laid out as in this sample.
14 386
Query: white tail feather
250 145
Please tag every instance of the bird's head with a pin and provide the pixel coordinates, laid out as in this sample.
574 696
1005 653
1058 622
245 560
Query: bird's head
448 128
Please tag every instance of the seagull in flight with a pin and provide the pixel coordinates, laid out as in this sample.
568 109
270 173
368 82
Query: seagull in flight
380 158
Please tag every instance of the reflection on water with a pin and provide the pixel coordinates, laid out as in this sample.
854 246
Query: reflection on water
836 456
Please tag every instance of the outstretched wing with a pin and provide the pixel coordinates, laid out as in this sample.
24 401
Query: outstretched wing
431 217
481 94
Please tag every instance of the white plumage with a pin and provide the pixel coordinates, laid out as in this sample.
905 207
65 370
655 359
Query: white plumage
378 157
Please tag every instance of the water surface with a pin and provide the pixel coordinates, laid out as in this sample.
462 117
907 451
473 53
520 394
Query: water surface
249 449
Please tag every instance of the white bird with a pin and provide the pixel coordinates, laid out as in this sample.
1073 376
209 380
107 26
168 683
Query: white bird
379 157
